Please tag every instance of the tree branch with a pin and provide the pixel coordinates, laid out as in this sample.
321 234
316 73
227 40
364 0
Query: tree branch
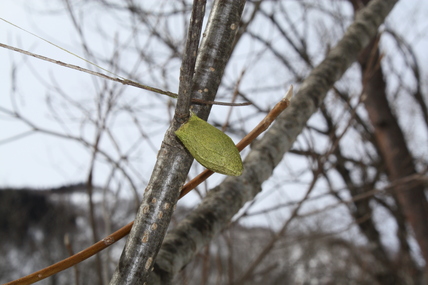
168 176
174 160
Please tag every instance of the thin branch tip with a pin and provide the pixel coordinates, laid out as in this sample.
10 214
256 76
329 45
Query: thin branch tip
289 93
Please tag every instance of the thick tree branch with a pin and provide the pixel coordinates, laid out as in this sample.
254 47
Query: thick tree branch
174 160
168 176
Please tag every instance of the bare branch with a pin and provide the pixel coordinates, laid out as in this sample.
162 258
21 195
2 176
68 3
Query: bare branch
123 81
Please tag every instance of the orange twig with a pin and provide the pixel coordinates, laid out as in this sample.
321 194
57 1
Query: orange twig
119 234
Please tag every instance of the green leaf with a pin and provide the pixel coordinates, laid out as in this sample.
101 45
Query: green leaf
210 147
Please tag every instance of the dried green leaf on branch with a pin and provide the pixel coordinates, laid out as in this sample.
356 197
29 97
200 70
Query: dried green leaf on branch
210 147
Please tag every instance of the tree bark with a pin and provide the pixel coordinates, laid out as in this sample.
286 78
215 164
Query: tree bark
393 147
174 160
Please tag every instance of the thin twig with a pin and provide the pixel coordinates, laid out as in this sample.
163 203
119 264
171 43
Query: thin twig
123 81
69 247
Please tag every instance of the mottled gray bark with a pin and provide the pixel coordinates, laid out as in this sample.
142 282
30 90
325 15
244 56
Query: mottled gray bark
224 201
